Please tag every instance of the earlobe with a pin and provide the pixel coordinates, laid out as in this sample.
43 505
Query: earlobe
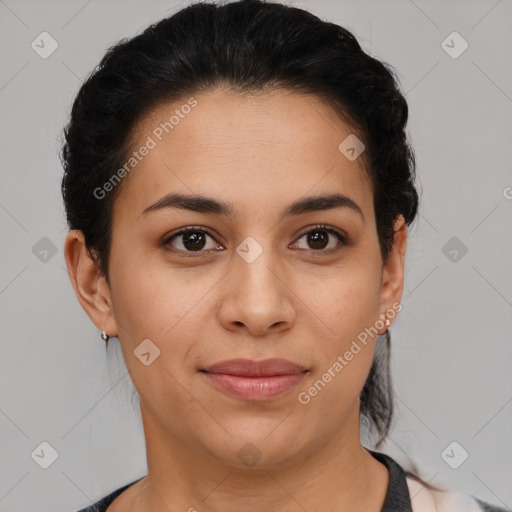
394 267
90 285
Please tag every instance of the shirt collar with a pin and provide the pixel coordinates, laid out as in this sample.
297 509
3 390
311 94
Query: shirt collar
397 497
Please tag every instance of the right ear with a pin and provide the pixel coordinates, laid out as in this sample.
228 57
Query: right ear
91 287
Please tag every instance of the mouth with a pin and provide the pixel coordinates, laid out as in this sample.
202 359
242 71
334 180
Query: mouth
255 380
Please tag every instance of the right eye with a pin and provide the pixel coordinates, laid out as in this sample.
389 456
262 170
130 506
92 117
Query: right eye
192 240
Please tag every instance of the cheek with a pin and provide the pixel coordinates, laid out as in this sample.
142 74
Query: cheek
347 300
168 307
153 303
348 304
150 299
344 359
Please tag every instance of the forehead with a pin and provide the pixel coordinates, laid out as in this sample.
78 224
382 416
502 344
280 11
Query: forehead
245 149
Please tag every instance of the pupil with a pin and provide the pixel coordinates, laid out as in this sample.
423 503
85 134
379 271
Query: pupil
315 239
193 239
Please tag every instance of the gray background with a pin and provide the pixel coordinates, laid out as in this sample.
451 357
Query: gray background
451 342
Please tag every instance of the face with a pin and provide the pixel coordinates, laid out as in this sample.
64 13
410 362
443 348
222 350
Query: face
262 273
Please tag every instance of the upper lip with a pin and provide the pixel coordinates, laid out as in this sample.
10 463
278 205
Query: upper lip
252 368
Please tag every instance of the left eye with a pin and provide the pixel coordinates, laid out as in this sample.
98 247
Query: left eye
319 238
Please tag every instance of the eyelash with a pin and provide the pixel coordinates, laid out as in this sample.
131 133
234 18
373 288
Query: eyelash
194 254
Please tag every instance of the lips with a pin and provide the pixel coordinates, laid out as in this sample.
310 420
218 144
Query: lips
255 380
251 368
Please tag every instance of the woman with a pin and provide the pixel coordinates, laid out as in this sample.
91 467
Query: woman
238 186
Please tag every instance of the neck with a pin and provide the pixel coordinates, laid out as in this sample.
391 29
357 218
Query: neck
337 475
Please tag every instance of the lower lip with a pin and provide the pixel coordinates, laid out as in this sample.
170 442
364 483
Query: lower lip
255 388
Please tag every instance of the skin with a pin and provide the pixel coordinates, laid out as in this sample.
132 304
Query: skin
259 152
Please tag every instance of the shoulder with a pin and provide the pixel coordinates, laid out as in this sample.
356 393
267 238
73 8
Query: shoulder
424 499
103 503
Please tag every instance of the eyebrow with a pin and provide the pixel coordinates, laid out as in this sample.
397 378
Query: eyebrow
203 204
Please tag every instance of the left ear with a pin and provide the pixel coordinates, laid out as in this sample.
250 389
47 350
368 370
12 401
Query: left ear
393 270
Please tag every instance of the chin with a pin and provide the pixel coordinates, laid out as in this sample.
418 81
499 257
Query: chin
264 445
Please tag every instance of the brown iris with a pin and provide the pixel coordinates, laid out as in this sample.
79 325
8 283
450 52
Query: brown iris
318 239
196 240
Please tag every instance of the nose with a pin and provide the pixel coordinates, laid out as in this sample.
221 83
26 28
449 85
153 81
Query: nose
257 299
